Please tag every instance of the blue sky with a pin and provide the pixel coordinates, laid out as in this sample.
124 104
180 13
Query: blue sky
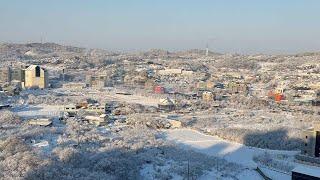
235 26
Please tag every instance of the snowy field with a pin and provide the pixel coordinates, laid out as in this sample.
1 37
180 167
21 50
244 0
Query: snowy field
110 94
143 100
230 151
219 123
30 111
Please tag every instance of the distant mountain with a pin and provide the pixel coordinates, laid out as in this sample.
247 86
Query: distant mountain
9 51
37 50
166 54
153 53
308 54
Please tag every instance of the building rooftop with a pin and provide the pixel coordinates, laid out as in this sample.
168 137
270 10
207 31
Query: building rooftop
31 67
308 170
40 122
166 102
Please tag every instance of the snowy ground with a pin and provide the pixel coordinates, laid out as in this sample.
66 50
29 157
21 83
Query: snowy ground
230 151
29 111
143 100
110 94
215 146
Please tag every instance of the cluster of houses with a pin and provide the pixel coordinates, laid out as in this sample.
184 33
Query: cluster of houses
171 85
32 76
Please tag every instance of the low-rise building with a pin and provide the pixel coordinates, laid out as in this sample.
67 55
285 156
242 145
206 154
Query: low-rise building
159 90
18 74
8 74
72 110
237 87
5 106
97 120
5 75
97 80
36 77
316 101
207 96
310 151
304 172
311 138
96 109
186 73
40 122
166 104
202 85
138 78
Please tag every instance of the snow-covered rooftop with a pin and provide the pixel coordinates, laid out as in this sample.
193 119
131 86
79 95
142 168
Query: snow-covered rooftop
308 170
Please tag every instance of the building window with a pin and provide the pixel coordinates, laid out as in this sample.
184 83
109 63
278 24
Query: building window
306 137
305 152
37 71
305 144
